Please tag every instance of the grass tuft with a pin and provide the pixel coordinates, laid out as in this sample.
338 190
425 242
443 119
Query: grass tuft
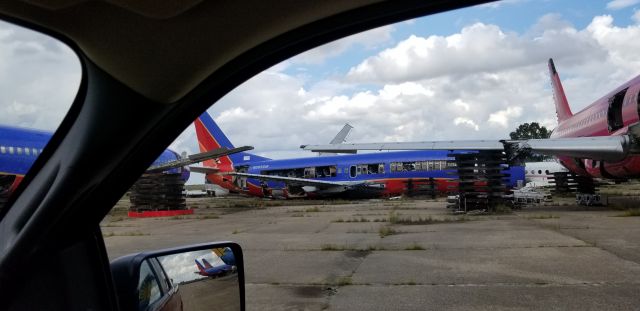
548 216
361 219
331 247
414 247
386 231
502 209
129 233
209 217
634 212
344 281
395 218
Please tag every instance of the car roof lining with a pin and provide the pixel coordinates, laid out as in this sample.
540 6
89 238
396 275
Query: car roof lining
166 67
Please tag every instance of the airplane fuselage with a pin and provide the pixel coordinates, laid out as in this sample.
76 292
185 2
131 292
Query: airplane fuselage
19 148
609 115
387 173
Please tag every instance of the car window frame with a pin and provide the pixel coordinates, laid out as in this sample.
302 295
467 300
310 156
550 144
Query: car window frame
43 215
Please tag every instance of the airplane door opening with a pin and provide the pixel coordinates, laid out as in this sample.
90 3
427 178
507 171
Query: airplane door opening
352 171
638 102
614 113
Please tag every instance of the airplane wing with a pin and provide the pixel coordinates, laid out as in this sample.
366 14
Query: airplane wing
198 157
607 148
303 181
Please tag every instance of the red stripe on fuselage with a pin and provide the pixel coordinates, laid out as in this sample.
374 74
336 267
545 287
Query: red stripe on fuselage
393 186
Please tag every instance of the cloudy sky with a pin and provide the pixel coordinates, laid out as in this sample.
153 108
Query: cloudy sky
472 73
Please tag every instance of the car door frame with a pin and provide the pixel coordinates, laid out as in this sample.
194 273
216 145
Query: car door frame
110 135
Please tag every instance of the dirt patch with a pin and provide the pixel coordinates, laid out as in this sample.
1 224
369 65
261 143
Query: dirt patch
309 291
357 254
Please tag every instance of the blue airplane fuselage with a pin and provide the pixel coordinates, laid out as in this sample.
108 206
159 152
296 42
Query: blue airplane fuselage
19 148
396 172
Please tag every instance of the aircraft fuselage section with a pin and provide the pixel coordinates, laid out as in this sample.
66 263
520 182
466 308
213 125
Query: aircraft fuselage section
608 116
386 174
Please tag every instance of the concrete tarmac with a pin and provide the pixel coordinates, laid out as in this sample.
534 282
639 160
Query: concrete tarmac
366 256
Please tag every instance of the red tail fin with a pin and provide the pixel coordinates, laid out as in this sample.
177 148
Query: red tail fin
562 105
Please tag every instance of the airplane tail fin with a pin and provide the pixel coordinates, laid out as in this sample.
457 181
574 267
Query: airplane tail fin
199 265
563 111
206 263
210 137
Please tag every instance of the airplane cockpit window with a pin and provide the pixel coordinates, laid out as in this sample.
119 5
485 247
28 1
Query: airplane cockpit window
39 79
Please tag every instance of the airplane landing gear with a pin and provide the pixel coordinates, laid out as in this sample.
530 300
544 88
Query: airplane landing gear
584 187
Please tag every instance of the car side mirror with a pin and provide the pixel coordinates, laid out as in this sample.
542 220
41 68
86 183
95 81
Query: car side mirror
196 277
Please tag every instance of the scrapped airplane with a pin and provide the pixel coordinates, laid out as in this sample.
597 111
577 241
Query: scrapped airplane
206 269
347 176
601 141
537 174
19 148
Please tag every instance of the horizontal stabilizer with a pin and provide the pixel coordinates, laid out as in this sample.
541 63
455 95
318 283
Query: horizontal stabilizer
204 169
196 158
216 153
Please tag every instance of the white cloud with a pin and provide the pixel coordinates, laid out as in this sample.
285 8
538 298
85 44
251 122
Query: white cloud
39 78
636 17
621 4
477 48
479 83
502 117
467 122
368 40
